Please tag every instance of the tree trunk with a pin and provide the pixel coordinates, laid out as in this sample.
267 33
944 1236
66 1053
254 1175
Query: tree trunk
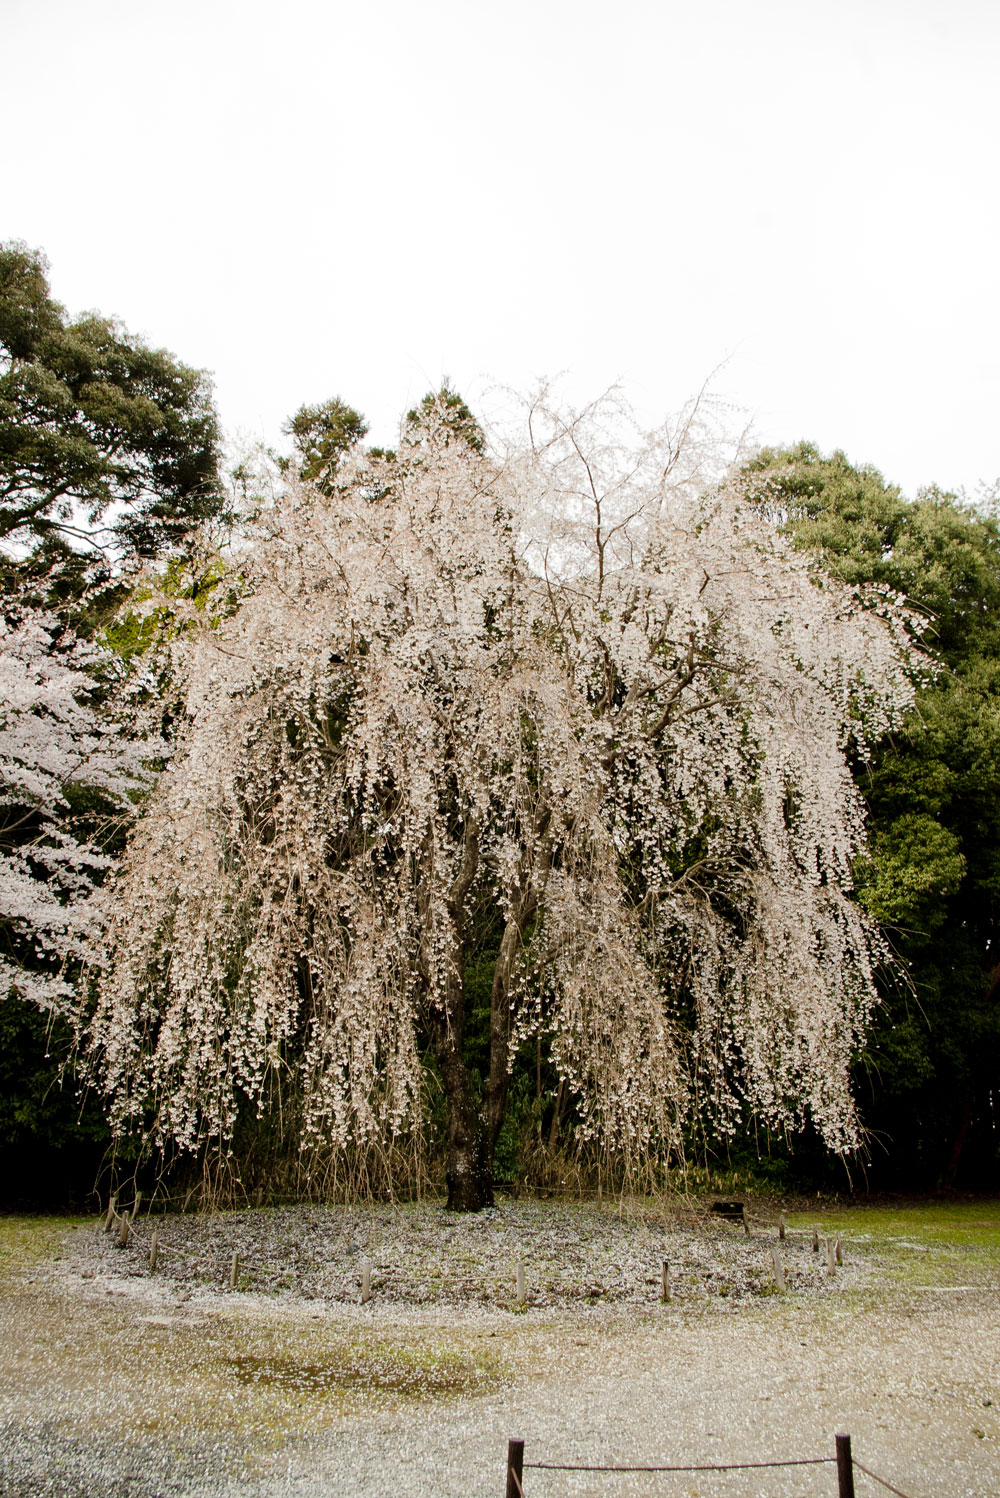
500 1015
473 1129
554 1130
469 1168
469 1173
958 1139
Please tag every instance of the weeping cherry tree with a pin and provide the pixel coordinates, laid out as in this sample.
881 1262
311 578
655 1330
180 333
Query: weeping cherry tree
577 680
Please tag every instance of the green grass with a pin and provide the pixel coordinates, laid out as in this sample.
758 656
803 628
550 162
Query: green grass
932 1243
25 1241
373 1366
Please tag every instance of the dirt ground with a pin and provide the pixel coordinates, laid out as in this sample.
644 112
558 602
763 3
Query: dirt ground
143 1386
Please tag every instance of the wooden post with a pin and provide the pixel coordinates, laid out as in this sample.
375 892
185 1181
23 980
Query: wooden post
154 1250
781 1227
112 1213
366 1283
831 1263
135 1204
815 1240
839 1255
123 1231
779 1268
234 1271
665 1286
515 1469
521 1296
845 1467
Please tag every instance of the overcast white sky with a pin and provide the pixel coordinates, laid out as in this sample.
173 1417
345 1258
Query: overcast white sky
313 198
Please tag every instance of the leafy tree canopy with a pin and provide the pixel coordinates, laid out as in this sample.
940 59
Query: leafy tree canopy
933 789
321 435
104 441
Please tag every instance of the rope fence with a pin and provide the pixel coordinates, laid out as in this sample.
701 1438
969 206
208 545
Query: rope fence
842 1460
802 1461
875 1478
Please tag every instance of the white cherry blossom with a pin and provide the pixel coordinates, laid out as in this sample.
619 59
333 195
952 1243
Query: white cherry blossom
53 735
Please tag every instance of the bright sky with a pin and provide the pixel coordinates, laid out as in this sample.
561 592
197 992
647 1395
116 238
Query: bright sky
312 198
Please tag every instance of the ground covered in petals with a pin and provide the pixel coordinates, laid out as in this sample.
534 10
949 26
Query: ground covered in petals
115 1379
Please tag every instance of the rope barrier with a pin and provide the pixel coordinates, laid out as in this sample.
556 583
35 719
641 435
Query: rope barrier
844 1461
875 1478
807 1461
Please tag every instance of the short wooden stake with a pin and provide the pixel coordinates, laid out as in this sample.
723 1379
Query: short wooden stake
112 1214
781 1227
815 1240
515 1469
123 1231
845 1467
779 1268
520 1285
838 1253
234 1271
831 1263
366 1283
154 1249
665 1287
135 1204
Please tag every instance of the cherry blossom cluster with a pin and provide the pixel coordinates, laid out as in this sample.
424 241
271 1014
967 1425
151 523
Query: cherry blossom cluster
55 739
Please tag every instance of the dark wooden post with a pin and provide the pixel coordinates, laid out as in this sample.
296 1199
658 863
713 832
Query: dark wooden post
515 1469
845 1467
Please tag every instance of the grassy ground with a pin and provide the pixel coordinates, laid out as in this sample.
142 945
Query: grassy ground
33 1240
932 1243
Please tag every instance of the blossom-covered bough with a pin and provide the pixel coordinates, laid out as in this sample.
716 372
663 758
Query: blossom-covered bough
58 748
583 686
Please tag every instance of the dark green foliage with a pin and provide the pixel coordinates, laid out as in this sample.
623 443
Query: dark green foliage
38 1107
103 440
929 1080
321 436
51 1144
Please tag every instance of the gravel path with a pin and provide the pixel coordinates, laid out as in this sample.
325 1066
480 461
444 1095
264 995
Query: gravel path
117 1381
